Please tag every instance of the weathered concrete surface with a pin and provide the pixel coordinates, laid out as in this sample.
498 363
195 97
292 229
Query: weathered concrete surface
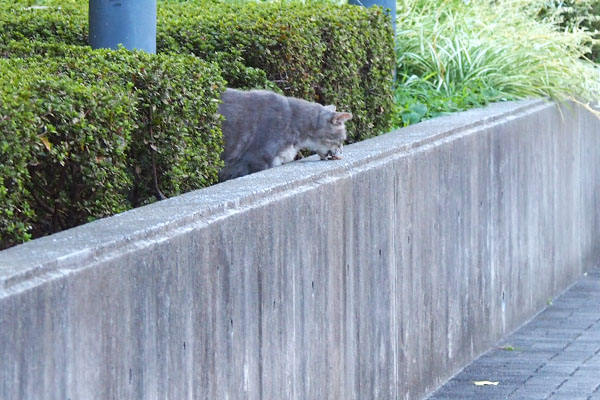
375 277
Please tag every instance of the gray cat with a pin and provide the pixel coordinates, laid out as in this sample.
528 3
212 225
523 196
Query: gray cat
263 129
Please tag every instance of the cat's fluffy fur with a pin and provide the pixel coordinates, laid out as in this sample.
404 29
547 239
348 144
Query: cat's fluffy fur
263 129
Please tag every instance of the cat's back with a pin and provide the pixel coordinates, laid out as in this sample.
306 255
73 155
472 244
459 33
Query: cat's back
246 103
250 119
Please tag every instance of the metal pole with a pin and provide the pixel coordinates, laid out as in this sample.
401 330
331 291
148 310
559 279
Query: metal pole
131 23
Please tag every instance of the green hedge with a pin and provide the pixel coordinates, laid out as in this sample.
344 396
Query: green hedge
331 54
171 139
63 156
59 22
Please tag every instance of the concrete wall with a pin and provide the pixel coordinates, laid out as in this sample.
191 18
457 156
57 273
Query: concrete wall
374 277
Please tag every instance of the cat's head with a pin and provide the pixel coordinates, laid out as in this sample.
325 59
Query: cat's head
328 137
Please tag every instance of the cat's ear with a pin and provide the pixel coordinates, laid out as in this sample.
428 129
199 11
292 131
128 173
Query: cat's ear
330 107
341 117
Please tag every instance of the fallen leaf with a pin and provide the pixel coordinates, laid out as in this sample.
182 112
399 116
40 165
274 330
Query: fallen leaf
46 142
485 383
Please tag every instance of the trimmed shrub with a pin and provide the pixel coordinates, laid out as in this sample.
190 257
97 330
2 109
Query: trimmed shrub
63 158
15 213
58 22
239 76
175 140
177 144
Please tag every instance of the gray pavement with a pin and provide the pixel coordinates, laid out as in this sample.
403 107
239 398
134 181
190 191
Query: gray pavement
555 356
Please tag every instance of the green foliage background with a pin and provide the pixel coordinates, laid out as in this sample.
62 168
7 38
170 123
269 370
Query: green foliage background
86 134
453 55
98 132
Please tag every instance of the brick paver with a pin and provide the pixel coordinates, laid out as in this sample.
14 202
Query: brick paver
555 356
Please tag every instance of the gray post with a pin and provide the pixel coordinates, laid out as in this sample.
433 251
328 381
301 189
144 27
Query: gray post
385 4
131 23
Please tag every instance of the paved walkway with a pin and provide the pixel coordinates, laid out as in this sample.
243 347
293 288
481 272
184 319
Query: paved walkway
556 356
